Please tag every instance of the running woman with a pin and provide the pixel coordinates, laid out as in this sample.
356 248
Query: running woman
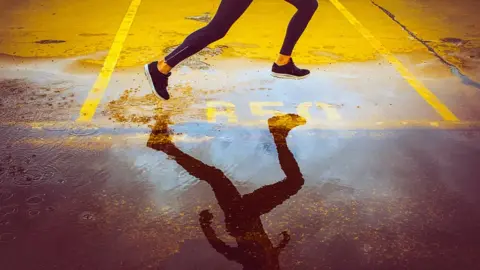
227 14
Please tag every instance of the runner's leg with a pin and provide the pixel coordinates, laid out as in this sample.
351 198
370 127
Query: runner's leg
158 72
298 23
227 14
284 67
264 199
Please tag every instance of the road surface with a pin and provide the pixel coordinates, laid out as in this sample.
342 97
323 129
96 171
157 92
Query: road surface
389 154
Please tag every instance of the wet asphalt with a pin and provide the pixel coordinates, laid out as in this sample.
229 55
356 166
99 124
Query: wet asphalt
362 173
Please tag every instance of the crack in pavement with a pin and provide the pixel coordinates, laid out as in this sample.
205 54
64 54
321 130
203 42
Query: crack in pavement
455 70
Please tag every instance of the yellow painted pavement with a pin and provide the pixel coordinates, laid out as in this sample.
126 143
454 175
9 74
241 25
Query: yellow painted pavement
89 26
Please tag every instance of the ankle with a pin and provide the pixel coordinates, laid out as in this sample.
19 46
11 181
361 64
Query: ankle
283 59
279 134
163 67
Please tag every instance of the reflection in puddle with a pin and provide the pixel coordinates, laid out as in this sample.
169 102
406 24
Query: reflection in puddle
242 213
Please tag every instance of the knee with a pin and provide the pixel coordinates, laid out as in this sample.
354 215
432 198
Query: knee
312 5
215 32
221 33
308 5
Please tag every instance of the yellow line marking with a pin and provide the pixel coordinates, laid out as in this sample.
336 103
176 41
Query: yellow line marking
258 108
330 110
100 142
98 90
229 112
326 125
421 89
303 109
358 125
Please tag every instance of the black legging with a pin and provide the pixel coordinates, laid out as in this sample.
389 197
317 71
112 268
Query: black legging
227 14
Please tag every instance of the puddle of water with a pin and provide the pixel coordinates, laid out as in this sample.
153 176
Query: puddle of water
7 237
35 199
146 206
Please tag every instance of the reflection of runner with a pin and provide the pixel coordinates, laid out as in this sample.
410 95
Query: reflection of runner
227 14
242 212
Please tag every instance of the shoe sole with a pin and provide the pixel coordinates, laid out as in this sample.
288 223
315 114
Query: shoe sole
287 76
150 81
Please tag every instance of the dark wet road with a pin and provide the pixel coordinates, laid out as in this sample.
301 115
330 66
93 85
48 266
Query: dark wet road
404 200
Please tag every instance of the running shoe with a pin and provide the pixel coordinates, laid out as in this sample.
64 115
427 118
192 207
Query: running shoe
289 71
158 81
